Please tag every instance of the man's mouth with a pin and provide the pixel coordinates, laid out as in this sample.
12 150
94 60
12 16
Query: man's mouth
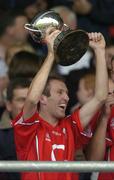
62 106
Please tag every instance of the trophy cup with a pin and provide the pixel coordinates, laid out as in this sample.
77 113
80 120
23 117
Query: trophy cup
69 45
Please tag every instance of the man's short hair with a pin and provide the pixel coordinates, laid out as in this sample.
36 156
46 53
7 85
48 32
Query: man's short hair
51 78
16 84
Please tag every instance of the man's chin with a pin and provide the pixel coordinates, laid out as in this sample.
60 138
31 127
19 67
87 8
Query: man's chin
61 116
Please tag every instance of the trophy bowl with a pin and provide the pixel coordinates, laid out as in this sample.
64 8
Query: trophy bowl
69 45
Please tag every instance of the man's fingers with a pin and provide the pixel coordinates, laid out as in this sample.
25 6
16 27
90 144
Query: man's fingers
55 33
95 36
49 30
51 34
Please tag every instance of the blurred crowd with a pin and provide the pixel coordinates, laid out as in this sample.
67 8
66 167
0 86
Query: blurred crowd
21 58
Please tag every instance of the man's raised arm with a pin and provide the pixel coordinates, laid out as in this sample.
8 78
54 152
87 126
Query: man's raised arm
38 83
97 43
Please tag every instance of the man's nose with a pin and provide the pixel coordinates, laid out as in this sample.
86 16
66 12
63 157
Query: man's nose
66 97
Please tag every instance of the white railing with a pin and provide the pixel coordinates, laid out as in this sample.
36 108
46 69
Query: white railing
58 166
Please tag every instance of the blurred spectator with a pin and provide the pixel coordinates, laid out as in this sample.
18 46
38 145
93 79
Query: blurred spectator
82 7
68 16
32 7
12 30
95 15
85 90
43 5
3 84
24 64
16 95
28 6
72 81
15 48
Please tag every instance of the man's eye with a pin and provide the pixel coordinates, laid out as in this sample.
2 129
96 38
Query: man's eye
59 92
109 93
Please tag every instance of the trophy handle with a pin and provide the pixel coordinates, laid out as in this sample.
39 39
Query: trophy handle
65 27
30 27
35 32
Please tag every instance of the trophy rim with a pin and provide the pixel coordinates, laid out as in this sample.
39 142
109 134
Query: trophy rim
76 51
43 14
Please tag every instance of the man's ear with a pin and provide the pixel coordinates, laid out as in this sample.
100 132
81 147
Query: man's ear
9 106
43 99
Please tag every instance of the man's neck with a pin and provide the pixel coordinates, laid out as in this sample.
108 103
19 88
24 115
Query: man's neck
48 118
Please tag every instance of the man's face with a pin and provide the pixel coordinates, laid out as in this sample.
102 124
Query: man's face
57 101
16 105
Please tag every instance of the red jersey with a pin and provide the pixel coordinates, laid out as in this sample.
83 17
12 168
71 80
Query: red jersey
89 130
109 156
37 140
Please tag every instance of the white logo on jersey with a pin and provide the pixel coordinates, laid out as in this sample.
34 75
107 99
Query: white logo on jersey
56 133
47 137
64 130
87 132
56 146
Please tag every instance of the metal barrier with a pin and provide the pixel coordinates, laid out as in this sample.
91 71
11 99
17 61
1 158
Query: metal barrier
58 166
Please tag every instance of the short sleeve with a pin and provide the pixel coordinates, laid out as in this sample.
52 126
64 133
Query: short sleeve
80 137
24 131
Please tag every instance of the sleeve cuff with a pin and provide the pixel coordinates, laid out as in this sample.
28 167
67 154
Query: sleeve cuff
20 119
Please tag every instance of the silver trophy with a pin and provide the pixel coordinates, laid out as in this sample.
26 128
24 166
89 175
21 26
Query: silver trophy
69 45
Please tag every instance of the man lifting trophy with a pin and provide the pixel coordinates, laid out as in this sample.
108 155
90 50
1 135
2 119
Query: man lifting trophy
69 46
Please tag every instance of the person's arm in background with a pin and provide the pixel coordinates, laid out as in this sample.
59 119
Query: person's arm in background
95 150
38 83
97 43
